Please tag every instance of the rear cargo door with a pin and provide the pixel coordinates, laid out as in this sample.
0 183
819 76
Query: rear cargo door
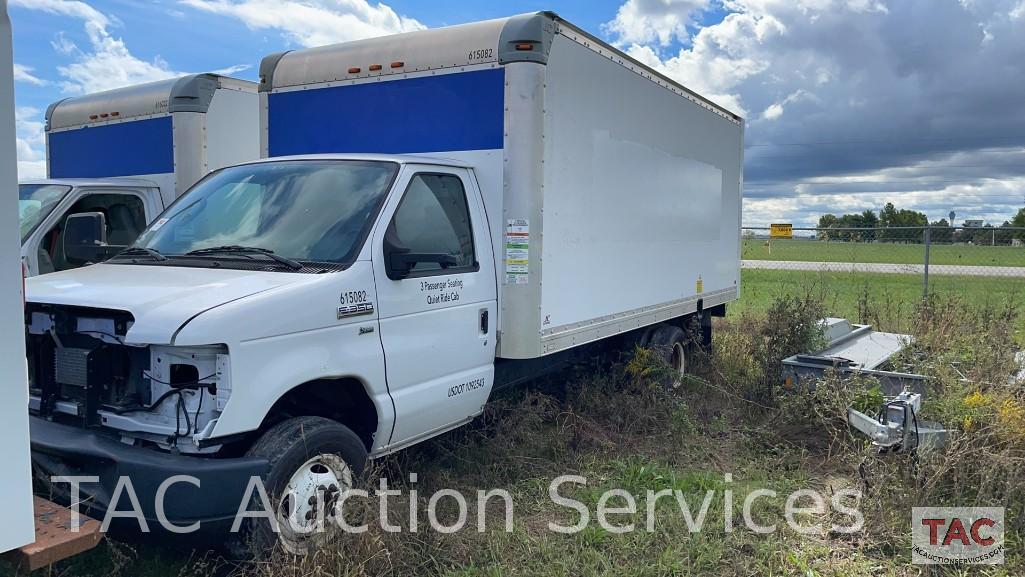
437 321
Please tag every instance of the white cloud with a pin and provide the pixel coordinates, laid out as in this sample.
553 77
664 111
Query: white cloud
313 22
648 21
986 184
30 139
72 8
62 45
23 73
231 70
775 110
848 89
107 63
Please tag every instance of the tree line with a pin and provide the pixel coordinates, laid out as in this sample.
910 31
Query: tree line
887 225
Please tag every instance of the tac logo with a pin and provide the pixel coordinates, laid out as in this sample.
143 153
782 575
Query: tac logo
957 535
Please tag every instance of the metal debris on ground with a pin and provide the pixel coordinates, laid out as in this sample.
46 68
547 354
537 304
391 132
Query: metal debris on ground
897 428
857 350
852 349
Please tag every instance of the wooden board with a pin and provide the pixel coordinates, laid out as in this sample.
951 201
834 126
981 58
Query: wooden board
55 538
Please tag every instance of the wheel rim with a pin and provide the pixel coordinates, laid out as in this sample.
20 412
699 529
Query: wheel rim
678 358
309 501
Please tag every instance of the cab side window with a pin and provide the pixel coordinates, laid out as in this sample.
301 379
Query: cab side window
433 217
126 219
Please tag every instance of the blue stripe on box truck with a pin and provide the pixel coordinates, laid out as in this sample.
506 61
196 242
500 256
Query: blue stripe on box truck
123 149
446 112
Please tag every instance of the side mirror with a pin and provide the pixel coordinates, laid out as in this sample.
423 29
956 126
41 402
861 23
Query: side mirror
399 262
85 238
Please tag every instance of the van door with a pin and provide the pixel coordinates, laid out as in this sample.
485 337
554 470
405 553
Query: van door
127 213
437 321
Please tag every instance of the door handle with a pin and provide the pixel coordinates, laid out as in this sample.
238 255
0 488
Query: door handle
483 321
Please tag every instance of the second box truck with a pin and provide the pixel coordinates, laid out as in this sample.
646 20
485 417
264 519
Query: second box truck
128 153
440 214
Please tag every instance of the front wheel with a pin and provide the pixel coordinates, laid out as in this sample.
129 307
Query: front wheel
313 461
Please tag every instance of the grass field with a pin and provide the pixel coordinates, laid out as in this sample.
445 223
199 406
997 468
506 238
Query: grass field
851 295
619 425
880 252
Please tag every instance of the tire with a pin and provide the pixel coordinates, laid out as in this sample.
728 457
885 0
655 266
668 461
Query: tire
305 453
671 342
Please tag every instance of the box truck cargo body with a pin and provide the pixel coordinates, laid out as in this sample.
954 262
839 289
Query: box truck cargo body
128 153
613 193
439 214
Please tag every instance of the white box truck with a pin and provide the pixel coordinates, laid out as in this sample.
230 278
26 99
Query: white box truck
128 153
440 214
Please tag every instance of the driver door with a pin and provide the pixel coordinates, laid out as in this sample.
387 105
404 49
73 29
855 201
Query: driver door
437 322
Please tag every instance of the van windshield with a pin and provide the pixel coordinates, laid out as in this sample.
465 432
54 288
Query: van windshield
35 203
304 210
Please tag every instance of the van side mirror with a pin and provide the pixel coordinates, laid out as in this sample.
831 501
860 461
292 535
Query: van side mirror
399 261
85 238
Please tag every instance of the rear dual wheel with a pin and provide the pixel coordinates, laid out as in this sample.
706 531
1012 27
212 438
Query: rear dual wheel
672 344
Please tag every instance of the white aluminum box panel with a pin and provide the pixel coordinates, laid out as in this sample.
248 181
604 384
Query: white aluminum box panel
232 127
635 215
16 481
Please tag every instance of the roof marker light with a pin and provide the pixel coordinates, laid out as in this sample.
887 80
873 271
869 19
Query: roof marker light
398 64
115 114
375 67
524 46
93 117
355 70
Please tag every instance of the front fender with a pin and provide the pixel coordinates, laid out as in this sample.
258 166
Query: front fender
280 339
265 370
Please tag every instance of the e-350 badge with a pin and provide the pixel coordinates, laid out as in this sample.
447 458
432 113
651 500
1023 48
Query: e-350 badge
354 304
356 310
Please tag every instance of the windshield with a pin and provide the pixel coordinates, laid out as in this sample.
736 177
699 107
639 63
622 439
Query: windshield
304 210
35 202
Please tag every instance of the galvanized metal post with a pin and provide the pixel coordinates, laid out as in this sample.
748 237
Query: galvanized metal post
16 482
925 277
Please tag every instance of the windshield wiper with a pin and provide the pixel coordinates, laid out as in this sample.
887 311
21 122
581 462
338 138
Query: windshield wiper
142 251
234 248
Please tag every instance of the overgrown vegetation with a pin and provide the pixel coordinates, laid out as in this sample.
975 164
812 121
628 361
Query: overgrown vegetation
622 424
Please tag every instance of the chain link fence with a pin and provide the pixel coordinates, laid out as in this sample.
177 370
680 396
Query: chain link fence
862 266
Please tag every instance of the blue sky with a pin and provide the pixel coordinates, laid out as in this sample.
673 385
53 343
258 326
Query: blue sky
849 103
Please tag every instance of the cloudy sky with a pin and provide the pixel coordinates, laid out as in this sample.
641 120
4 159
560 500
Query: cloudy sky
849 103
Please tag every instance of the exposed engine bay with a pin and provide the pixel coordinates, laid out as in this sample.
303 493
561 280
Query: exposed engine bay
82 371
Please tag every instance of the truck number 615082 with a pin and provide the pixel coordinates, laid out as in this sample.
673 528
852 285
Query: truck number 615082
354 297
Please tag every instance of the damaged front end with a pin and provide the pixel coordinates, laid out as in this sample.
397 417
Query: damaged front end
83 372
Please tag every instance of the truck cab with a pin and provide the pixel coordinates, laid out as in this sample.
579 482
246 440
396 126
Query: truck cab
128 153
128 205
